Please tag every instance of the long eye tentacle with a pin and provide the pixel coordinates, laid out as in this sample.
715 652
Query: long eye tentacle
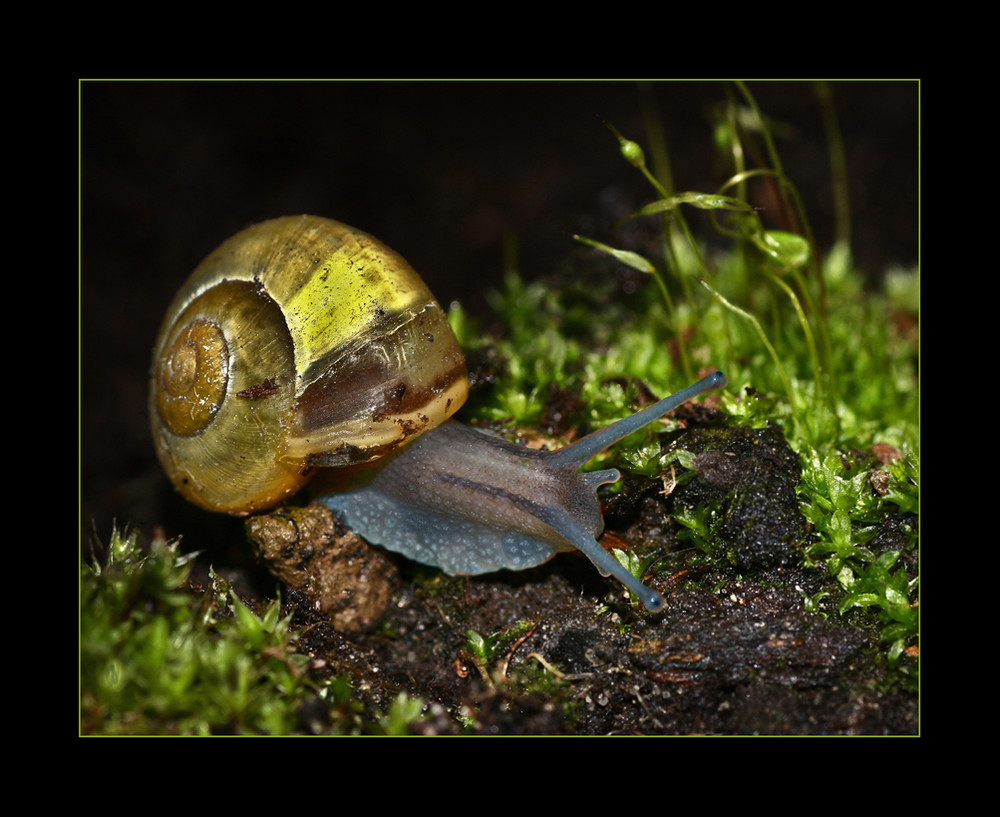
584 449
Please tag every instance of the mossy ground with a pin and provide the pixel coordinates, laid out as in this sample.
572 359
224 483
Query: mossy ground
755 637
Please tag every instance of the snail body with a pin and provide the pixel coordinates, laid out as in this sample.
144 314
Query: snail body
470 502
303 343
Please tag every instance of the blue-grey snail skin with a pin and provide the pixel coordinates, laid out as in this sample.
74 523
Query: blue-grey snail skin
469 502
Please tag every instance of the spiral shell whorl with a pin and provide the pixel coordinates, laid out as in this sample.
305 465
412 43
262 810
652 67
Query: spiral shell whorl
241 352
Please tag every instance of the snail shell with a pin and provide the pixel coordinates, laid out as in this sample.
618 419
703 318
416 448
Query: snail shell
299 342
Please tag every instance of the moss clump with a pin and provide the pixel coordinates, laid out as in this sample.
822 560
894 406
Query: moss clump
160 657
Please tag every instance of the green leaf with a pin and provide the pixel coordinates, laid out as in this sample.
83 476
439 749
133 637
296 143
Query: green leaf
626 257
701 201
789 250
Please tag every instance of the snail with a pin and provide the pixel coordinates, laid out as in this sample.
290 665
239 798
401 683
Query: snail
303 343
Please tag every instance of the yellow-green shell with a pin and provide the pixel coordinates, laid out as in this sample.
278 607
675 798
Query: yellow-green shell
299 342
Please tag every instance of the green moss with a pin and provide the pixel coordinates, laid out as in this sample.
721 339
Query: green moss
160 657
526 685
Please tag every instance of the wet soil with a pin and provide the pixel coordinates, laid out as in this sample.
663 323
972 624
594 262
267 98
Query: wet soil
734 651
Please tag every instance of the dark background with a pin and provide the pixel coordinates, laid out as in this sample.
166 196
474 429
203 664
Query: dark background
442 172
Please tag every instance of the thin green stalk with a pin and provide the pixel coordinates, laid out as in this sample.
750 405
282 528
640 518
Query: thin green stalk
810 341
826 357
785 188
738 153
634 155
772 151
767 343
838 163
